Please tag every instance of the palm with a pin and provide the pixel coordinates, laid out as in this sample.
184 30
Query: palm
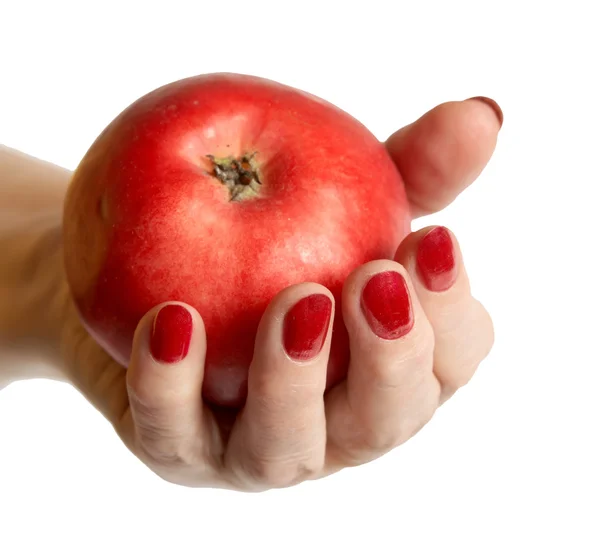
101 380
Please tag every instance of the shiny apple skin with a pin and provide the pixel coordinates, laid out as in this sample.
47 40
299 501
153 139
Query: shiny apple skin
146 221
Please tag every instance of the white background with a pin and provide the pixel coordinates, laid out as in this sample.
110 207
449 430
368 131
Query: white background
508 468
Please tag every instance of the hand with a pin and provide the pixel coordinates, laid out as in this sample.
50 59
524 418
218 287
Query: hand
416 336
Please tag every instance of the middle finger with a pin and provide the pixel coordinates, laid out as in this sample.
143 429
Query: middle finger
279 438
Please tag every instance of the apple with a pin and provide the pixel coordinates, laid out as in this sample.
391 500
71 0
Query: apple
219 191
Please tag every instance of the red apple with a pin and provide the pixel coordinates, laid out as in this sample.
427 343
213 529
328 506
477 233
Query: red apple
219 191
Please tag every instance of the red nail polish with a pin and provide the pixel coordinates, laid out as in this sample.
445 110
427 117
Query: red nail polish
435 260
492 105
171 334
305 327
386 305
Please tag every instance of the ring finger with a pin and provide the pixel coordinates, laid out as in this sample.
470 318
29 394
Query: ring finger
390 392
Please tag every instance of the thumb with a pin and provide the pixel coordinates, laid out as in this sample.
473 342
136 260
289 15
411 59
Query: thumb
444 151
164 383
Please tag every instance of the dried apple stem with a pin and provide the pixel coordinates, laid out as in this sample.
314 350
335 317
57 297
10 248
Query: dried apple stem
239 175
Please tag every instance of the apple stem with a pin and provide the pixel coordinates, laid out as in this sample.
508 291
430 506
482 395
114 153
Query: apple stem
239 175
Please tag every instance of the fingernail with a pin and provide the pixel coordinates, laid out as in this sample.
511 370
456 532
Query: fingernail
435 260
171 334
305 327
492 105
386 305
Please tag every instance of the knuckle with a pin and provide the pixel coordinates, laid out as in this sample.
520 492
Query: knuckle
167 456
461 374
268 474
157 441
468 343
281 473
139 393
368 445
381 442
488 332
158 446
391 431
405 366
378 443
148 402
459 379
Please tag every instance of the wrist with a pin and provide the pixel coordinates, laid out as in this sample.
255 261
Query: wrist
32 293
32 287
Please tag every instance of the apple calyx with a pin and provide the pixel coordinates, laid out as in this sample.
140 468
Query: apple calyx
239 175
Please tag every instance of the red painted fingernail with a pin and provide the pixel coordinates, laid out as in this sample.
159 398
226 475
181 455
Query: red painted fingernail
492 105
171 334
386 305
435 260
305 327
